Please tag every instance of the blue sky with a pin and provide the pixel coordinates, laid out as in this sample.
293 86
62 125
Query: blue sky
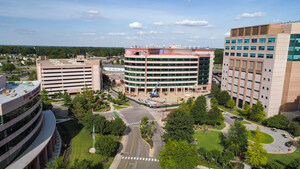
124 23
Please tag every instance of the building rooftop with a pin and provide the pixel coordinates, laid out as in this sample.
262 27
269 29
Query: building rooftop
40 142
61 62
13 90
167 51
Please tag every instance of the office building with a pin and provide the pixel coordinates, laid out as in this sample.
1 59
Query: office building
261 63
176 70
69 75
28 136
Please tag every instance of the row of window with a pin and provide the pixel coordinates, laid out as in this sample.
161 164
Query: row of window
252 55
75 71
15 113
156 64
161 80
161 70
161 85
161 75
261 40
15 127
163 59
269 48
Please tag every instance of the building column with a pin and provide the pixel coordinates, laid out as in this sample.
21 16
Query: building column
45 155
184 90
176 89
188 90
50 149
136 91
169 90
37 162
129 89
161 89
53 143
181 90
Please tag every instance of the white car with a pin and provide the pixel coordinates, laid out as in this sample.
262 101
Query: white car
224 112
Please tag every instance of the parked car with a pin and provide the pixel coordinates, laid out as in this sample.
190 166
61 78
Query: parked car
239 119
233 117
224 112
288 144
284 135
273 129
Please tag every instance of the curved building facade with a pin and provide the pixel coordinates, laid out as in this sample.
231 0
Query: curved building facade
21 118
174 69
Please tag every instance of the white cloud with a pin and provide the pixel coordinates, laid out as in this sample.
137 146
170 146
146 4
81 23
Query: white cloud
178 32
136 25
158 23
212 37
116 34
141 33
26 31
91 15
251 15
88 33
277 21
193 23
227 34
195 37
191 40
130 37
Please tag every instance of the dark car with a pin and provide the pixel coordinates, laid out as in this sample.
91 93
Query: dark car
233 117
273 129
284 135
239 119
296 119
288 144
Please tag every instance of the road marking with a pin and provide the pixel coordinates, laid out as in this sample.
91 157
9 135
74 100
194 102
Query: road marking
131 147
140 158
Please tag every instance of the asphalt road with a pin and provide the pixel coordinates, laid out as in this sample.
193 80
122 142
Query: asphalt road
136 151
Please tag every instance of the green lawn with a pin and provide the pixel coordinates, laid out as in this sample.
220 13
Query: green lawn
218 127
285 158
209 141
103 109
245 122
266 138
80 147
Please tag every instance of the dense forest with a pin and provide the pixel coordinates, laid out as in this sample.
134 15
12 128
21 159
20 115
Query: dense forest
218 56
61 52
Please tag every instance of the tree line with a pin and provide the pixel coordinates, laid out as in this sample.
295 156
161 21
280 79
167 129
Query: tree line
61 52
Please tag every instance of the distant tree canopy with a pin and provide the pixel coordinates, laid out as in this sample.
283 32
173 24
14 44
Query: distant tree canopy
61 52
218 56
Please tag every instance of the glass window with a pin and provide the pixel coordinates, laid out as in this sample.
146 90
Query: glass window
245 54
231 54
261 48
269 56
260 55
238 54
227 47
240 40
262 40
253 47
233 41
253 40
227 41
246 40
232 47
226 54
271 39
239 47
246 47
270 48
252 55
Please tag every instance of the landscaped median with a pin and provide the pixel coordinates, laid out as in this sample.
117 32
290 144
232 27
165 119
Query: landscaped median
266 138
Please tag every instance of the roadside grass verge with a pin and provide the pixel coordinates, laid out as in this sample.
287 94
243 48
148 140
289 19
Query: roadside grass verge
209 141
266 138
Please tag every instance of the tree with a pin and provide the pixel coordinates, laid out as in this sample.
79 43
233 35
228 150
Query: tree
58 163
180 126
84 164
67 99
79 98
257 112
8 67
223 98
32 75
88 94
278 121
274 165
214 102
78 111
184 107
237 140
230 104
106 145
190 102
102 125
13 78
246 110
215 116
256 154
88 121
216 154
215 91
44 94
218 56
118 127
198 110
294 164
294 128
47 105
178 155
226 157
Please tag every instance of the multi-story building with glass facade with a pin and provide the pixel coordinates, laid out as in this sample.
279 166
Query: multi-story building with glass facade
176 70
26 133
263 63
69 75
